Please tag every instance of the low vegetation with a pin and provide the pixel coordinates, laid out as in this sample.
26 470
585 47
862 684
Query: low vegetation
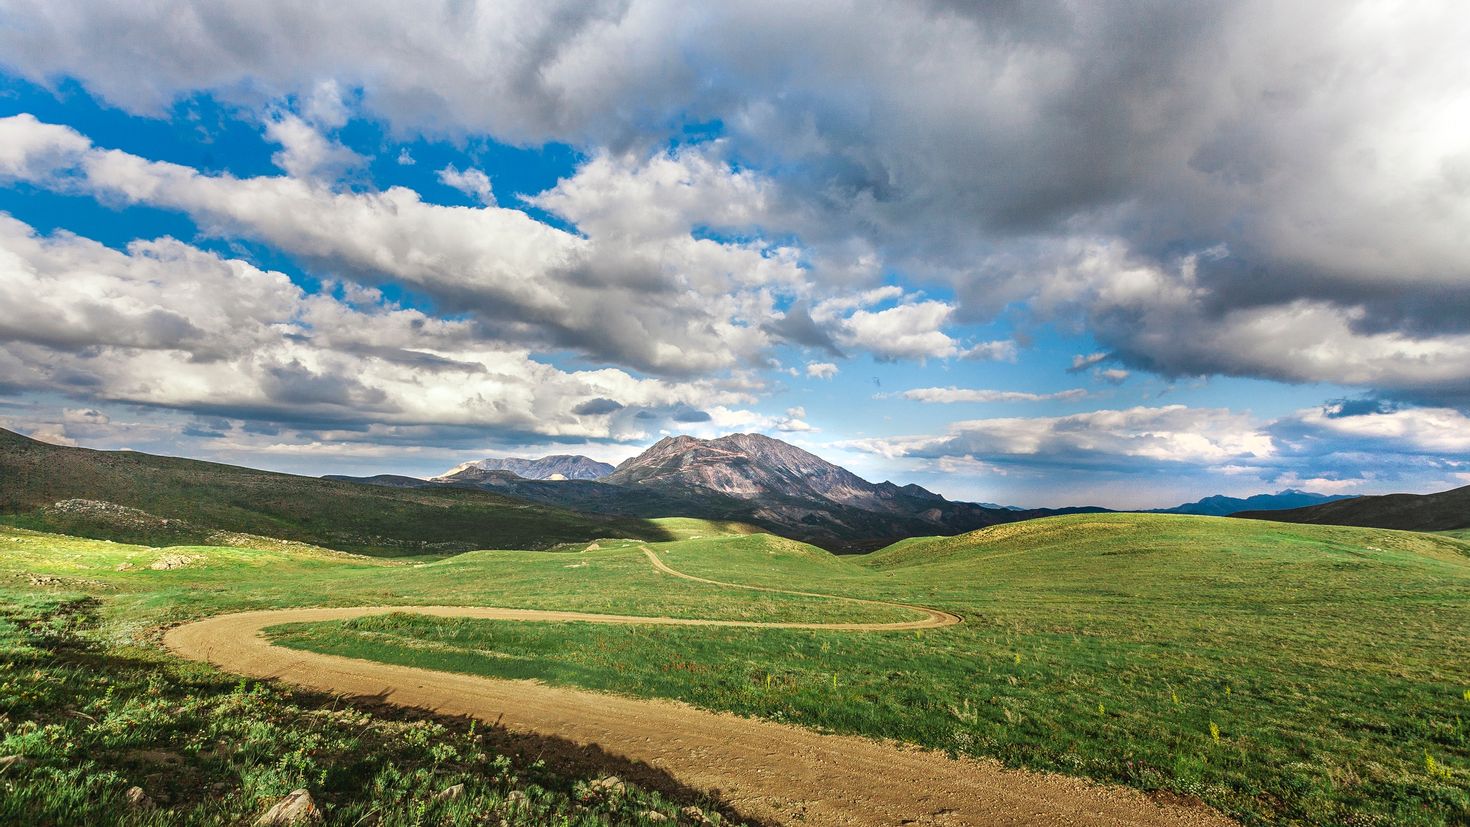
98 726
1284 674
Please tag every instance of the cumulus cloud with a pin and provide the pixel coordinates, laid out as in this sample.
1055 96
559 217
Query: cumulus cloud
685 305
1321 143
469 181
166 325
821 370
306 152
1170 434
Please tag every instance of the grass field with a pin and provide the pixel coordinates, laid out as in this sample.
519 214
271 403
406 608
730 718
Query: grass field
89 705
1285 674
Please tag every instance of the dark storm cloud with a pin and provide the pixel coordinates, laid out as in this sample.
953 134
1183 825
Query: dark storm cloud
597 407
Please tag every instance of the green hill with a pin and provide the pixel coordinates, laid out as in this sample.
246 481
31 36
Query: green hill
167 500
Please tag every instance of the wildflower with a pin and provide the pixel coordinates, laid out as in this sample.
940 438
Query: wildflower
1102 710
1175 695
1215 731
1018 658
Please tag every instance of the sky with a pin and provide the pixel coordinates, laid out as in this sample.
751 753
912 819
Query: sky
1027 252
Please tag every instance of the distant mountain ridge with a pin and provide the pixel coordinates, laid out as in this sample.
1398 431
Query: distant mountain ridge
760 480
554 467
1443 511
136 497
1223 506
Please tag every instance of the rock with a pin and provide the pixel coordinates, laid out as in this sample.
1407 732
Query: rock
449 793
138 799
294 810
516 798
609 784
124 567
653 816
44 580
695 815
169 562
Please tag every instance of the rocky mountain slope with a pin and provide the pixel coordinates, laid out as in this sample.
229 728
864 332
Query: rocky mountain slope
1223 506
554 467
755 479
1444 511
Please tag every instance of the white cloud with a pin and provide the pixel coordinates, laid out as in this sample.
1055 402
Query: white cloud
953 394
1173 434
1082 362
469 181
167 325
306 153
1320 142
1001 350
1443 431
908 331
821 370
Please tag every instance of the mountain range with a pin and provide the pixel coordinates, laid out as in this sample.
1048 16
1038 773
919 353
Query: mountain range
554 467
143 498
1223 506
750 478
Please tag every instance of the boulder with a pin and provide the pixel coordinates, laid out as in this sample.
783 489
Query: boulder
295 810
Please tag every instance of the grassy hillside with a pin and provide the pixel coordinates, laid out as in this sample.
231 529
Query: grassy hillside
1443 511
1285 674
209 497
90 707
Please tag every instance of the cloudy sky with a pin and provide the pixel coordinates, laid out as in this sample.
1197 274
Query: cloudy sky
1029 252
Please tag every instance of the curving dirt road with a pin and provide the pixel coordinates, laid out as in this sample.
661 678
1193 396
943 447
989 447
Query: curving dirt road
765 770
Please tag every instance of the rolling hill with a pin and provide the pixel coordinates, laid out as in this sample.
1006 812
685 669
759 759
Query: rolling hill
193 499
1444 511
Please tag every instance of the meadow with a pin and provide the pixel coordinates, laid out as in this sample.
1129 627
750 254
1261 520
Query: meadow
1281 673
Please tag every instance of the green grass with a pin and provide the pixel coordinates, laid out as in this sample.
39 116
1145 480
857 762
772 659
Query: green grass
1332 662
82 720
1283 673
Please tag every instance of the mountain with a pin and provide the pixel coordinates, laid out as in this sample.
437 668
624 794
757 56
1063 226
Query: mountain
1444 511
554 467
795 493
124 495
753 479
1223 506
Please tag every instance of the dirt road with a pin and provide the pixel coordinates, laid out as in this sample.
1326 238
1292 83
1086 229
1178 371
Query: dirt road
764 770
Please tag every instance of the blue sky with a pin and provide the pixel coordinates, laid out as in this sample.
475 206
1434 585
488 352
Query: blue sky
1027 269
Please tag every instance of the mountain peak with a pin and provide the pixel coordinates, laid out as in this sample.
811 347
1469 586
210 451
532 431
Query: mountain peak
747 467
553 467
